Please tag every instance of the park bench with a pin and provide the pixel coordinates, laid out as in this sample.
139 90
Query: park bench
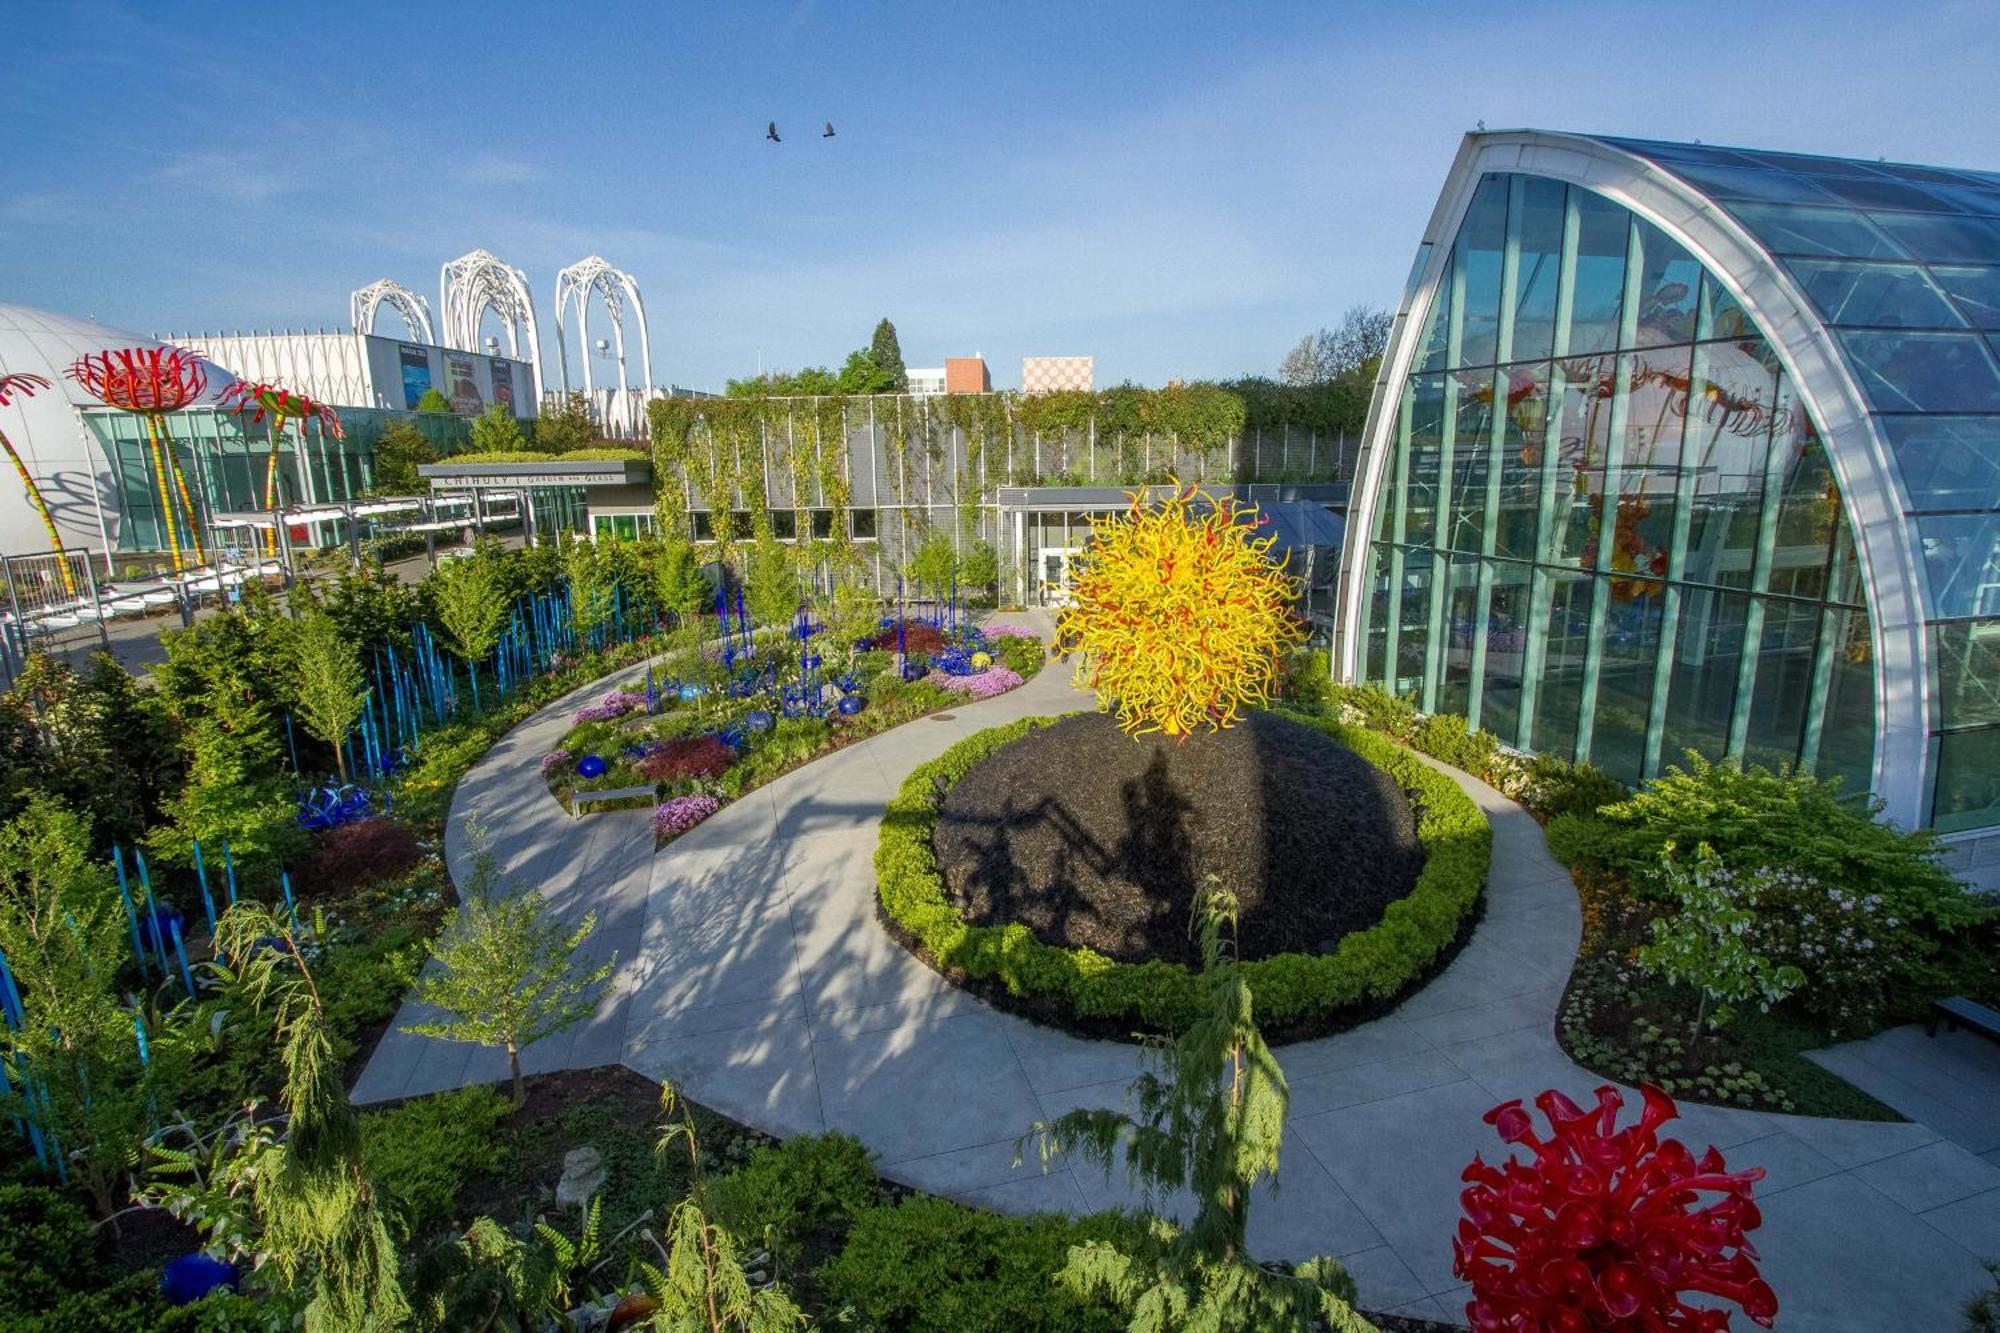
1957 1011
579 799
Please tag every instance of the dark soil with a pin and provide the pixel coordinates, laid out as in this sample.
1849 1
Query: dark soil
1089 837
148 1238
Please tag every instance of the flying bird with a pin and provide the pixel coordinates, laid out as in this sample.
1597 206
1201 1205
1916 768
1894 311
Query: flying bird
827 133
772 133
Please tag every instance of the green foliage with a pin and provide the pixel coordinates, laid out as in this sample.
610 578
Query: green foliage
1583 842
566 427
496 431
508 973
400 451
328 681
471 601
1307 681
1297 993
1214 1138
680 585
808 1187
1982 1312
1565 787
422 1153
433 401
593 585
47 1249
773 593
934 562
97 741
1446 736
886 352
860 374
1701 942
596 454
979 571
928 1265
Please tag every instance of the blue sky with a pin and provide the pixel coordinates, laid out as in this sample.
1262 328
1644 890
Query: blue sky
1176 189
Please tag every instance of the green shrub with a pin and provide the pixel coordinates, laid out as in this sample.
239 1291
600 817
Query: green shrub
46 1249
1295 992
1307 681
133 1304
1448 738
421 1154
807 1187
1583 842
932 1266
1379 710
1566 787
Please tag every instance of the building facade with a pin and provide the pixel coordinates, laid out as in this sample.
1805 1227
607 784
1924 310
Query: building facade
1058 374
967 374
350 369
1686 448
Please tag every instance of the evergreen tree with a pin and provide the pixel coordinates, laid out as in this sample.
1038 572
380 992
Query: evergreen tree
329 682
495 431
774 593
471 601
1210 1116
862 375
887 354
508 973
592 587
569 425
398 453
682 588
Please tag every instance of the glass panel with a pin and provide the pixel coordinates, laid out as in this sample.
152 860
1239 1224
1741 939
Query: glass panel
1968 781
1977 291
1416 271
1946 462
1378 617
1414 624
1721 316
600 525
1702 693
1437 327
1476 250
1541 226
822 523
784 524
1968 672
1526 434
1807 515
1847 731
1559 689
1874 295
1783 689
1924 372
1816 231
1928 236
1585 439
1472 448
1625 680
1961 563
1732 408
1884 194
1506 644
1603 228
1650 470
1423 454
704 525
862 521
1669 288
1460 624
1777 187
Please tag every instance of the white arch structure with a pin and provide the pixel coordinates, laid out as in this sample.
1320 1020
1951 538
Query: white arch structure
474 283
364 302
1858 455
577 284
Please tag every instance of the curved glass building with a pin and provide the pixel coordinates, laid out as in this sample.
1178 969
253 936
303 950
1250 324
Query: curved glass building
1678 447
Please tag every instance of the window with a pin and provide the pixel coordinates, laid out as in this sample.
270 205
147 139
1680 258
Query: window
784 524
822 523
1874 295
861 523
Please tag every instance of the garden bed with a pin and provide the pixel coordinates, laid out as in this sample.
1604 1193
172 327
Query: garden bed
1299 993
712 728
1315 841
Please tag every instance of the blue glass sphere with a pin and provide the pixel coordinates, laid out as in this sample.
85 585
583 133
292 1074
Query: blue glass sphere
192 1276
690 692
849 705
757 719
590 766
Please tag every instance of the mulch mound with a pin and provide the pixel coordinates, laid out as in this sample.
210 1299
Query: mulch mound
1090 837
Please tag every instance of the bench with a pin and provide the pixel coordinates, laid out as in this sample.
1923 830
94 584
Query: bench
579 799
1957 1011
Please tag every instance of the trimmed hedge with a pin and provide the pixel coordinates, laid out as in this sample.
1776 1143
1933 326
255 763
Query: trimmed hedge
1297 994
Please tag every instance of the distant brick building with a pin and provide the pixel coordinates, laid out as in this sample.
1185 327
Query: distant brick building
1052 374
966 374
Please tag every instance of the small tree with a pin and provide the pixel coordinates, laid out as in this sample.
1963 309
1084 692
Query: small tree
1214 1137
887 354
935 561
1703 940
508 974
470 597
329 682
860 374
495 431
980 569
774 593
855 614
401 450
570 424
433 401
593 588
682 588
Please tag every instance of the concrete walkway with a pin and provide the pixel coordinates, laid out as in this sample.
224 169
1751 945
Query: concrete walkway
753 974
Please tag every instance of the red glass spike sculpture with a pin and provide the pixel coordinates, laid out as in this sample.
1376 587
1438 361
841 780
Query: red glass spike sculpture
1606 1228
151 382
283 406
27 386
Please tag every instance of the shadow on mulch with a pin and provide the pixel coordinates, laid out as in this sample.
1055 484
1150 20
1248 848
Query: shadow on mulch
1092 838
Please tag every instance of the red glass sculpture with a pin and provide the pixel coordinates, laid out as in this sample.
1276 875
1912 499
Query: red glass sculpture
1604 1228
283 406
27 386
151 382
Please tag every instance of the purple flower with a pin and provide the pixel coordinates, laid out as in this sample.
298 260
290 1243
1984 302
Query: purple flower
614 705
1010 632
682 813
980 685
554 760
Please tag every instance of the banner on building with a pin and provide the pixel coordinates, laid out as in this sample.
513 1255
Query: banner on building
464 390
416 362
503 382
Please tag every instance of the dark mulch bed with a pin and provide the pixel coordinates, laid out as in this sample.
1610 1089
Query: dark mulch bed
1089 837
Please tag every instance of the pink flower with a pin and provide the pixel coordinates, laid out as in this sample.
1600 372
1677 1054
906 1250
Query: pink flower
677 816
979 685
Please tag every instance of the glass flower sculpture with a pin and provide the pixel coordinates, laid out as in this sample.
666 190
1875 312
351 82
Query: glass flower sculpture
151 382
1605 1228
1180 613
283 407
27 386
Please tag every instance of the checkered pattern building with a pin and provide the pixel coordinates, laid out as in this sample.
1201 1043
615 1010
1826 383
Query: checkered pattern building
1051 374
